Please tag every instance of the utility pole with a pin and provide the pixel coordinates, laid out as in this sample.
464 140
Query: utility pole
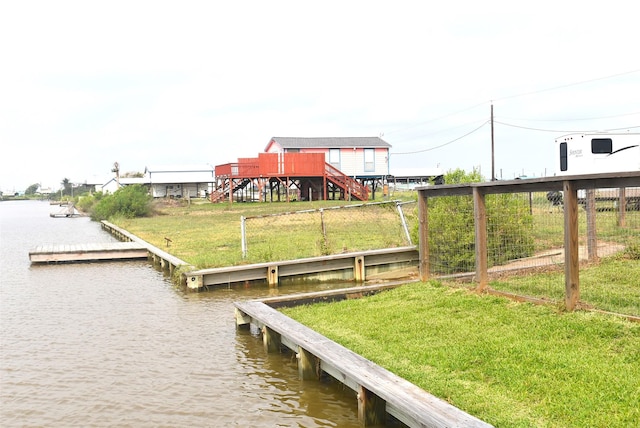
493 162
116 169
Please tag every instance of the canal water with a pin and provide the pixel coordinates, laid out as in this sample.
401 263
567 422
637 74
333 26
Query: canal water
115 344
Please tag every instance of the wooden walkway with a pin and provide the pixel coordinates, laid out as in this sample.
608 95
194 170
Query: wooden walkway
88 252
378 390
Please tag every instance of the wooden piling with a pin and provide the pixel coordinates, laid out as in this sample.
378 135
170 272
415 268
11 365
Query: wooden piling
358 269
308 365
371 408
270 340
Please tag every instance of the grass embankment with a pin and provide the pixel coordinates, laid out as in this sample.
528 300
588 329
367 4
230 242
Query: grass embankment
208 235
510 364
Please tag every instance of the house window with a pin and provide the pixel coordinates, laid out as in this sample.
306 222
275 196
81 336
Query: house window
601 145
334 157
563 156
369 160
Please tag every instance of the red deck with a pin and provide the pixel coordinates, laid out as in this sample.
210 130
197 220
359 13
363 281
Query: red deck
304 171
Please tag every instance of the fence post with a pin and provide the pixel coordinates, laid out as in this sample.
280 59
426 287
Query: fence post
622 207
324 232
571 260
243 239
423 233
480 223
404 222
592 239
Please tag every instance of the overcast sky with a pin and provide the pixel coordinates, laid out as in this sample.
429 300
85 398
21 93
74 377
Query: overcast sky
86 83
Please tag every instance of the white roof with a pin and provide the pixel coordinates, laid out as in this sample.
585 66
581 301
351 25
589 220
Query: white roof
179 168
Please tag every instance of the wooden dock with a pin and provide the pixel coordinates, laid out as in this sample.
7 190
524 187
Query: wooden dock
378 390
88 252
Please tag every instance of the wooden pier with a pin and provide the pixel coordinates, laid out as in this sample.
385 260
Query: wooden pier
131 247
87 252
378 391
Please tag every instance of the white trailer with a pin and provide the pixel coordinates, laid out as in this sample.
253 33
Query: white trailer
597 153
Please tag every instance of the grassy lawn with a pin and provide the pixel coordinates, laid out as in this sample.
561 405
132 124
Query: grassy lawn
612 285
510 364
208 235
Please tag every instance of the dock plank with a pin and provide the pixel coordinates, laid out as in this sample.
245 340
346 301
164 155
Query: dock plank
49 253
407 402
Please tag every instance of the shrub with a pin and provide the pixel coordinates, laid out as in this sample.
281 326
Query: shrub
128 202
452 233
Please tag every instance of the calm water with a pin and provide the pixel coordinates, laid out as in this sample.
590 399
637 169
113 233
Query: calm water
114 344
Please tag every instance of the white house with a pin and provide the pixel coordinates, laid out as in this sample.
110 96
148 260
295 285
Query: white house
113 184
177 181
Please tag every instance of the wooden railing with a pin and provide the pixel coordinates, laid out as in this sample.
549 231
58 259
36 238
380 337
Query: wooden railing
348 184
569 185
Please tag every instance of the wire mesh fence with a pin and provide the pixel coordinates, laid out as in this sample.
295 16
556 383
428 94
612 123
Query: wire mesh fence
326 231
525 244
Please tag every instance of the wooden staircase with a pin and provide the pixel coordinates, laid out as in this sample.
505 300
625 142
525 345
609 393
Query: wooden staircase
349 186
222 192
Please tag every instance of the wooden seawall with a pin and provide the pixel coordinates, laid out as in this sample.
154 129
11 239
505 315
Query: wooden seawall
357 266
165 260
378 391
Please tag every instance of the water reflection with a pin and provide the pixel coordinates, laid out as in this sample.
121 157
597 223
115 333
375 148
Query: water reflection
115 344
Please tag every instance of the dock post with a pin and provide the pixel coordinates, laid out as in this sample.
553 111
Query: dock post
242 319
371 408
307 365
270 339
272 275
195 282
358 269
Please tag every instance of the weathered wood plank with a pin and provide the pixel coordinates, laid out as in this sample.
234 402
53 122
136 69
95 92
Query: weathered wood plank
404 400
305 266
571 256
87 252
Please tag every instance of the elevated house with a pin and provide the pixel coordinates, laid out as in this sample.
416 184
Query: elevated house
365 159
180 181
293 176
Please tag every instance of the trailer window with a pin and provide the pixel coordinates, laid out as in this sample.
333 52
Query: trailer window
601 145
563 156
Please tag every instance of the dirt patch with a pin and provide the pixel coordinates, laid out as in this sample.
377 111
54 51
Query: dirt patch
555 257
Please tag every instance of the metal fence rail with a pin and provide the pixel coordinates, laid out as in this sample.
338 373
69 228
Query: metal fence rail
325 231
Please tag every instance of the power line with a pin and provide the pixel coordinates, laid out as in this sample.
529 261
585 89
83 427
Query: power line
568 85
439 131
572 120
436 119
442 145
563 131
515 96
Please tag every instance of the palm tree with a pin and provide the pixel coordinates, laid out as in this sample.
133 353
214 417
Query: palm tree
66 186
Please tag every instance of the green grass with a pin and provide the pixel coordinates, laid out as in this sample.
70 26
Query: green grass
510 364
209 235
613 285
